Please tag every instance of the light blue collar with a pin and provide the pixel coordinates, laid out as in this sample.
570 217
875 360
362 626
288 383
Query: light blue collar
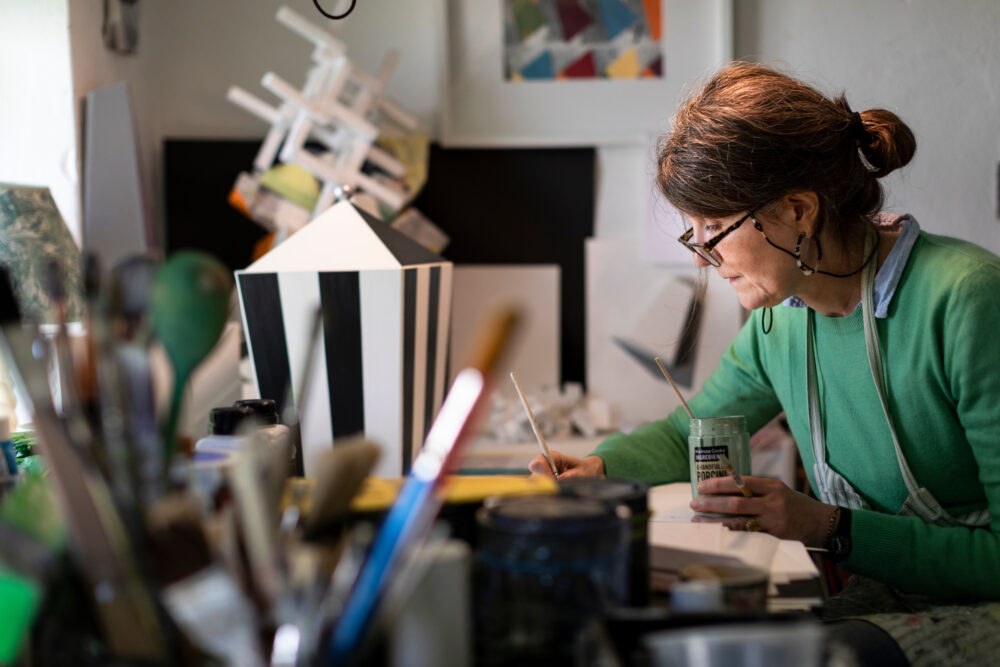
887 278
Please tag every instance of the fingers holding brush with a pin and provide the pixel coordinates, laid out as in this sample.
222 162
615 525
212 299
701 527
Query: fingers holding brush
567 466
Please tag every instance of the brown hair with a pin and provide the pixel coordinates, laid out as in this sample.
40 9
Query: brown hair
753 134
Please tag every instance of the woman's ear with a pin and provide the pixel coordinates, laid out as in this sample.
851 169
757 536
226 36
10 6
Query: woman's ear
802 209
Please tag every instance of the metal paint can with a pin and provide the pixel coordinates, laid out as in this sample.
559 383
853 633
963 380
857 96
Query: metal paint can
634 495
545 565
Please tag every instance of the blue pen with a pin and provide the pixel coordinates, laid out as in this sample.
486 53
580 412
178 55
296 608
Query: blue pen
410 517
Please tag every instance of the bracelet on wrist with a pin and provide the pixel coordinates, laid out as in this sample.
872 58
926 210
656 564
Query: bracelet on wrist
832 524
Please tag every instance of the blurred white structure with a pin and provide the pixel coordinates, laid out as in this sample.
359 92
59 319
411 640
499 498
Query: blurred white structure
340 107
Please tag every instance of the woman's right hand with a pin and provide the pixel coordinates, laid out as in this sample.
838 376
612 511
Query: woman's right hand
568 466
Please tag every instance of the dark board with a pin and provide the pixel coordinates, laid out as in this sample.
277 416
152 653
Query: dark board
519 206
499 206
198 176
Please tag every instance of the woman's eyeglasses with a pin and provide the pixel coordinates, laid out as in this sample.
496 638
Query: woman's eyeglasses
706 250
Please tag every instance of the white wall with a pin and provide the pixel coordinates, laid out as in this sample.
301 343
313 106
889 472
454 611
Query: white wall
37 138
935 63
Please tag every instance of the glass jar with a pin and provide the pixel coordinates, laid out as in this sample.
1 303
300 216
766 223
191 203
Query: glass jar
712 436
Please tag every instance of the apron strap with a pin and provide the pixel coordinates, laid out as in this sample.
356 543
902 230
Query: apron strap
833 487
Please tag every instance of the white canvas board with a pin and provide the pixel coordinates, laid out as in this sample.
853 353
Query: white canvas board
478 290
628 297
662 225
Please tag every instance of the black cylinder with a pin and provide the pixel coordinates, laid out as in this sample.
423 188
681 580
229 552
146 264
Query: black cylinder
545 565
265 409
225 421
634 495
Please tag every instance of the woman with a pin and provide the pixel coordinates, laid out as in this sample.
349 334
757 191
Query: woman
878 340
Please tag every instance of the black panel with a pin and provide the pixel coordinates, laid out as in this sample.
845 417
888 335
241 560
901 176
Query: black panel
341 298
262 305
198 176
519 206
433 306
409 349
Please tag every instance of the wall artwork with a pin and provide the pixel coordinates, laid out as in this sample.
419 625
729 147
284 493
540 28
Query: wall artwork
582 39
558 73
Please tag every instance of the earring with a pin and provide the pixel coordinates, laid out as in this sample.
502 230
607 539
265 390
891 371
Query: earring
803 267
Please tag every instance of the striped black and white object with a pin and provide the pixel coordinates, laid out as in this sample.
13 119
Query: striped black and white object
384 339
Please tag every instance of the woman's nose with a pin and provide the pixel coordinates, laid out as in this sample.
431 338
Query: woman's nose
700 261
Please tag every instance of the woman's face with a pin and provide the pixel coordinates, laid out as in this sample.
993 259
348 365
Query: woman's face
761 275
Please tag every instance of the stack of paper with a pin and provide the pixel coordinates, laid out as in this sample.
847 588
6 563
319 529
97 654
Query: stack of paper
675 542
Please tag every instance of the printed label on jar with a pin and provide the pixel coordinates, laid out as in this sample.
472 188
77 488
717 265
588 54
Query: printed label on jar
706 462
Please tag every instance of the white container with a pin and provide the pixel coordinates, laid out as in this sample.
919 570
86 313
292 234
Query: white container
215 454
739 645
271 432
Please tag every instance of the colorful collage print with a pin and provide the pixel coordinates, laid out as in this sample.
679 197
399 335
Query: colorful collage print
582 39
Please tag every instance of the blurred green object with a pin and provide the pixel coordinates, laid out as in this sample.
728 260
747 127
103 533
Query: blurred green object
32 465
31 508
19 602
189 304
23 442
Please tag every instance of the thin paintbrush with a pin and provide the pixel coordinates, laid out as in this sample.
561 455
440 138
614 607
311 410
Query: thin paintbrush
544 446
724 460
291 410
663 369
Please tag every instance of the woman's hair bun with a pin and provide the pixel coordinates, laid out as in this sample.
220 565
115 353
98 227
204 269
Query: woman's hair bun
890 146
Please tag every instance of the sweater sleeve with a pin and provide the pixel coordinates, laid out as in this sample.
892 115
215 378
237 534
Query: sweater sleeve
954 563
657 453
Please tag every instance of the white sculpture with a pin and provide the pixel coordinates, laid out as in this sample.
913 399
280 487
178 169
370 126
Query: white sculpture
341 107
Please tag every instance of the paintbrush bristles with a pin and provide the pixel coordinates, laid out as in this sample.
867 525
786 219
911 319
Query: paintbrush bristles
663 369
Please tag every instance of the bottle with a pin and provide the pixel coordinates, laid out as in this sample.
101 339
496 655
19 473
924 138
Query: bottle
215 455
273 432
223 424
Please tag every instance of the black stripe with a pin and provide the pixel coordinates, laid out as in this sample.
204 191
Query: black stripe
266 331
432 334
406 251
341 298
409 340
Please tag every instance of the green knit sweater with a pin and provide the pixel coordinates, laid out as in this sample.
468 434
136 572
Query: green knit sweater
941 345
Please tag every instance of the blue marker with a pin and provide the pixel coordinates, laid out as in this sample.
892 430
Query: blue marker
410 517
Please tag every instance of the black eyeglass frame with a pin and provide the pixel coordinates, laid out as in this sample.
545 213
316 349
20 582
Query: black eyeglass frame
706 250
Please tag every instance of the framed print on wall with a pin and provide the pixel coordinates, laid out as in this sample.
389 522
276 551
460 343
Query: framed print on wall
574 72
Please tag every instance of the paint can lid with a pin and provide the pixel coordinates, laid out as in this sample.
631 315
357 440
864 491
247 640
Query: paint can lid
225 421
266 409
630 492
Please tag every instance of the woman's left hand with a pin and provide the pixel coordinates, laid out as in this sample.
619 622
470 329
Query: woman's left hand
777 509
